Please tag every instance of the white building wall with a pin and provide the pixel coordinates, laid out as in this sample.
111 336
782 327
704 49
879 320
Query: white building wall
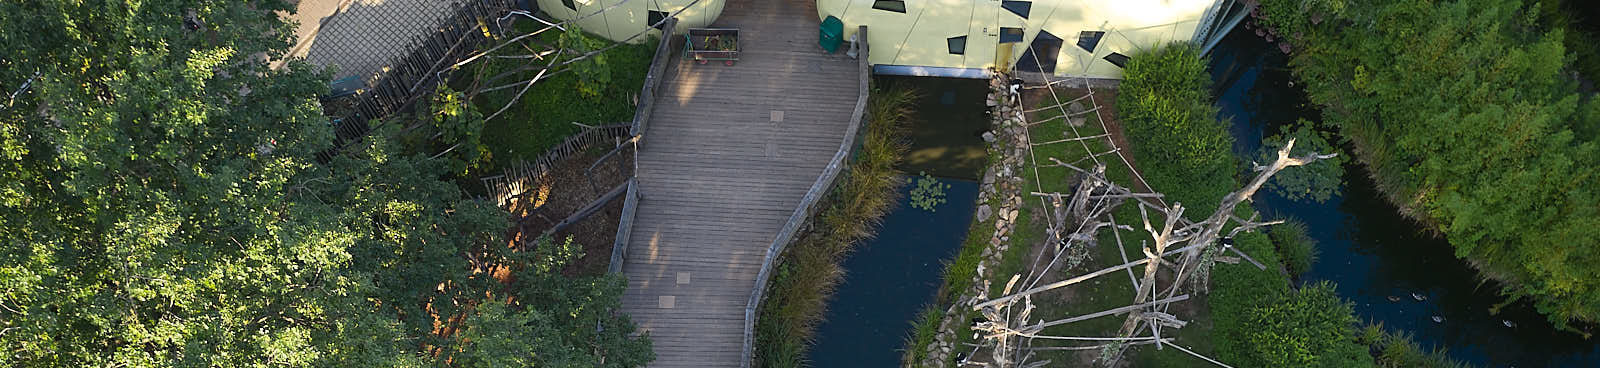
918 37
632 16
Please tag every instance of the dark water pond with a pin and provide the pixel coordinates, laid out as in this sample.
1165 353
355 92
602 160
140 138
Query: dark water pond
946 125
893 276
890 278
1374 254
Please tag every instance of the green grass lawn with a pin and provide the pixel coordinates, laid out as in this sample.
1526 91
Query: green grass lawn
544 116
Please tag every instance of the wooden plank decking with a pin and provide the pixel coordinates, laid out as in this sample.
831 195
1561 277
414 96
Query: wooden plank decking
729 153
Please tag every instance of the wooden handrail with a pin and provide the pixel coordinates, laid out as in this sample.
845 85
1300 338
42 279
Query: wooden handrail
808 203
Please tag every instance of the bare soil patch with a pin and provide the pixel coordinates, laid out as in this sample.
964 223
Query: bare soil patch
567 188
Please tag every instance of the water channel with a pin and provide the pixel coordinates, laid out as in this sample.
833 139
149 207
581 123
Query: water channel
1383 262
892 276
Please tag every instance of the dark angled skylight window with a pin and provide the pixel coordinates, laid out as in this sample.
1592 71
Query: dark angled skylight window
1120 60
897 6
656 17
1008 34
1020 8
569 4
958 45
1087 40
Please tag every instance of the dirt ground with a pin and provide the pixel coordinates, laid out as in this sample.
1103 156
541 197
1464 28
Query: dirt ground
567 188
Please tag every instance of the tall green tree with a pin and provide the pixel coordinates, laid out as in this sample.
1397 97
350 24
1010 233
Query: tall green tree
1465 112
162 206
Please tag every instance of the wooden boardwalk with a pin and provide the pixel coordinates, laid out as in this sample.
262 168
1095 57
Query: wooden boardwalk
728 155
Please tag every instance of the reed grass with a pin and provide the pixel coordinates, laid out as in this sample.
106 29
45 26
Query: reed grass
809 270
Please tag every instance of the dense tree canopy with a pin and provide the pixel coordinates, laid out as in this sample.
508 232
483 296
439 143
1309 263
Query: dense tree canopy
1467 116
161 205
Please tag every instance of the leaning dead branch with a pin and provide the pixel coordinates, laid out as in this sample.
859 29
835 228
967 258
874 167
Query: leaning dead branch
1208 231
1186 249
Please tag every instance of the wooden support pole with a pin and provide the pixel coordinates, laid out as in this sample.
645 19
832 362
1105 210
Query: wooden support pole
1197 355
1145 341
1057 106
1113 311
1074 280
1071 139
589 209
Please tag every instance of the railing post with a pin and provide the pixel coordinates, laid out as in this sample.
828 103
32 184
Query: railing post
652 81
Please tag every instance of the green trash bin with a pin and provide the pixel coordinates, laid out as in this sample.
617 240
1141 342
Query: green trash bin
832 33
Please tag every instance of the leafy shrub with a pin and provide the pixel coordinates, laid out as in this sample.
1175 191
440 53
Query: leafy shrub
460 128
1312 327
1235 291
593 74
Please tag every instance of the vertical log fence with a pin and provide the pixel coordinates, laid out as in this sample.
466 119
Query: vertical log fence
520 177
401 82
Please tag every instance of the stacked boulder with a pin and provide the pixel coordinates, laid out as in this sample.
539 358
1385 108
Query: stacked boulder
1001 197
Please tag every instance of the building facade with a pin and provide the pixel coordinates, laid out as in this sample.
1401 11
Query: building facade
619 20
964 38
958 38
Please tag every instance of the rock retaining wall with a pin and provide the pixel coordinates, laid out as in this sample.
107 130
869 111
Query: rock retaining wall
1001 197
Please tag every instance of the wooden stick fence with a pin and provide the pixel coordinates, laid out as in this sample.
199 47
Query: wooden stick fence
400 83
521 176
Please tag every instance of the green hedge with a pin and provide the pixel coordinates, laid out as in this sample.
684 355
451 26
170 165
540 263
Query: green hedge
1465 113
1165 107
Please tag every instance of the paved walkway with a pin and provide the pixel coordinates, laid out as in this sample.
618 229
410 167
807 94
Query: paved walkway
360 36
728 155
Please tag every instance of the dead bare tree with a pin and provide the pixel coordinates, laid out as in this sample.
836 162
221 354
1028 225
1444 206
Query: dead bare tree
1077 217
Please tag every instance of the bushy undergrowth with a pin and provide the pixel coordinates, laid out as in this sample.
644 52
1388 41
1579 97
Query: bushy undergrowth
1262 322
809 269
1400 350
1165 108
1299 250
